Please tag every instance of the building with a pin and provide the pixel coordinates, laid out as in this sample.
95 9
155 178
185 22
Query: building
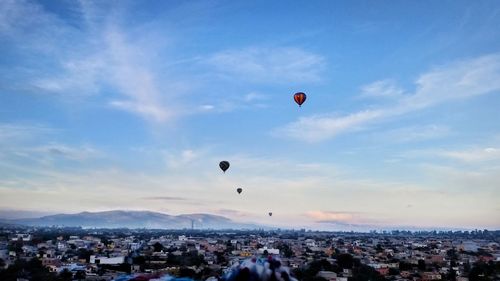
328 275
106 260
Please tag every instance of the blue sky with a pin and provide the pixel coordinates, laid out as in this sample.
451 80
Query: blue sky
131 105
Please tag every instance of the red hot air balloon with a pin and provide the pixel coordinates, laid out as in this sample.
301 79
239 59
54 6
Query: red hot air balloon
299 98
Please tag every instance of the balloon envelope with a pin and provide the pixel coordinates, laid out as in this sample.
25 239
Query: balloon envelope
239 190
224 165
299 98
270 213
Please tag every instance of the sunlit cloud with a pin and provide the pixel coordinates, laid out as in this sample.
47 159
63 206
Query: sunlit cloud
329 216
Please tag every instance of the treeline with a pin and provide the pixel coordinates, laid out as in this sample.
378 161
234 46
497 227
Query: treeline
33 270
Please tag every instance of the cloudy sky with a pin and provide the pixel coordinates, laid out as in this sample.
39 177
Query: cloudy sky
132 104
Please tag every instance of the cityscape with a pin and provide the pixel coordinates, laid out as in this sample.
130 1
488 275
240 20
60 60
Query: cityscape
233 140
65 253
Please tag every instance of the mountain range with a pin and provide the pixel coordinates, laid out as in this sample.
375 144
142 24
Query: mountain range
134 219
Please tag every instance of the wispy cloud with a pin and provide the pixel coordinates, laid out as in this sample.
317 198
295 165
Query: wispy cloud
473 155
166 198
382 89
415 133
15 132
33 142
318 128
234 213
340 218
80 153
109 60
330 215
460 80
254 96
271 64
183 158
483 180
135 80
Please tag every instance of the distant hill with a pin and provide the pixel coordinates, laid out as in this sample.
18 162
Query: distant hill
135 219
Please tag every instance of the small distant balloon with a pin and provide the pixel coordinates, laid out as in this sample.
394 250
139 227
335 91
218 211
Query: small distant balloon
270 214
224 165
299 98
239 190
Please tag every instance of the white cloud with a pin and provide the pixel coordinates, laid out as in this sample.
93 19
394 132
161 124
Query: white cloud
11 133
460 80
207 107
79 78
473 155
101 57
253 96
78 153
415 133
182 159
321 127
382 89
33 142
280 64
134 79
483 180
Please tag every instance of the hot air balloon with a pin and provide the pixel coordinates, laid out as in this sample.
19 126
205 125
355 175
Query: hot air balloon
224 165
270 214
239 190
299 98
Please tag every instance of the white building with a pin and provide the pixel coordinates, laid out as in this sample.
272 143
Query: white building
21 237
105 260
269 250
328 275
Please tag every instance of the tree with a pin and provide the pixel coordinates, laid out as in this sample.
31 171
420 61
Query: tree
187 272
285 249
80 275
84 254
364 272
221 259
452 275
32 270
405 266
140 260
16 247
158 247
345 261
394 271
66 275
421 265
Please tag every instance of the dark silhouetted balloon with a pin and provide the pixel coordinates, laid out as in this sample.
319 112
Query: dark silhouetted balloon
239 189
270 214
224 165
299 98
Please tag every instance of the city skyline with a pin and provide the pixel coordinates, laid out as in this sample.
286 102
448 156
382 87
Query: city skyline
125 105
